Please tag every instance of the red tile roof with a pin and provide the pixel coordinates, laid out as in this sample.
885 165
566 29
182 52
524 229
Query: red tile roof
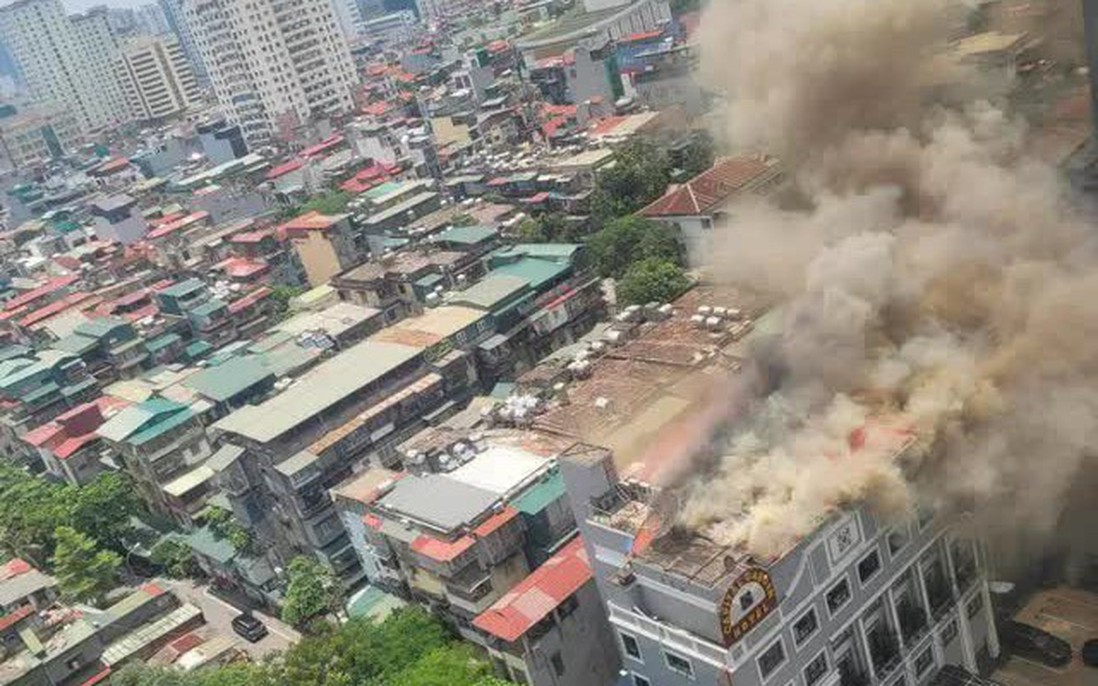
495 522
74 300
377 109
284 169
533 598
242 267
237 306
311 221
439 550
322 147
536 198
13 568
111 166
45 289
175 225
14 617
642 36
710 188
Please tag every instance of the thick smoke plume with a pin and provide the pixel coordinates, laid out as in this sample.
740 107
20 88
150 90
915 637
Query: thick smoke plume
936 282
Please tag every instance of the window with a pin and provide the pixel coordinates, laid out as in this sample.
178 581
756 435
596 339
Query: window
631 647
896 541
558 663
838 596
975 605
869 566
678 663
771 659
567 606
924 662
805 627
949 632
639 680
816 669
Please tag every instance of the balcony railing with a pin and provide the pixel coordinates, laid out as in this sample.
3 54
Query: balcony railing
913 622
885 652
939 595
852 677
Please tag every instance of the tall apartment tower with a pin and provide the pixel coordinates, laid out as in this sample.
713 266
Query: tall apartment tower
177 24
156 78
66 60
273 63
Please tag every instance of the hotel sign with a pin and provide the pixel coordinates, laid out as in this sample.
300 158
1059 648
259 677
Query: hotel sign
747 602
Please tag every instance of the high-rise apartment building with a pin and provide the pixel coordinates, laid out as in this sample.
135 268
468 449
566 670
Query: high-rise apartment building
177 24
273 63
156 78
66 60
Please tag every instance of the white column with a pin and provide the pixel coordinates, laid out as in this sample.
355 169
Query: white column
863 640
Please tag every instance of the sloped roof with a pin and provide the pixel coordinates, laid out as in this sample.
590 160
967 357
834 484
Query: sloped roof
533 598
712 187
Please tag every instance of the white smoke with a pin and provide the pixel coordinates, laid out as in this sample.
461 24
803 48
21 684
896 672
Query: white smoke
934 277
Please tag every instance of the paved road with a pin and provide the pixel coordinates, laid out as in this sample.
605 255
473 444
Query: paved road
219 615
1071 614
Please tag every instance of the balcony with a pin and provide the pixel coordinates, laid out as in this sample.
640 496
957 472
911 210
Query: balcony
966 572
939 595
884 649
913 622
852 676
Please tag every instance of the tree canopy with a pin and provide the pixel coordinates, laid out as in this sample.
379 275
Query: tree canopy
409 649
32 508
640 174
549 228
623 242
332 202
312 591
84 572
652 280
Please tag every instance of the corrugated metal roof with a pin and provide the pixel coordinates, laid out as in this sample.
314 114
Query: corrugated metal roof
226 380
533 598
316 391
438 501
492 291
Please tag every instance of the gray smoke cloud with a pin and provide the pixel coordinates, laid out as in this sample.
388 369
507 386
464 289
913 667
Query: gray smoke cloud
937 283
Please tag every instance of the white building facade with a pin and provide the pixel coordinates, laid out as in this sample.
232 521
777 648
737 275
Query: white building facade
273 63
858 602
156 78
66 60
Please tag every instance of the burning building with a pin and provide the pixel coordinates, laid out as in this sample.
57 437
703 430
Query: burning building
858 600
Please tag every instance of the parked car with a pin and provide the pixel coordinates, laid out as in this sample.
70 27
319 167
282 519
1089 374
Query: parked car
1090 653
1036 644
954 675
249 627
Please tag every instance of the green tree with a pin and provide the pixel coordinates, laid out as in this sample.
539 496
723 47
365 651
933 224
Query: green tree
84 572
282 295
628 240
224 525
641 173
549 228
652 280
332 202
31 509
698 155
312 592
464 219
175 557
451 665
104 509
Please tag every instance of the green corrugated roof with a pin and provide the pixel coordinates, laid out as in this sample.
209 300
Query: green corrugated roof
198 349
162 427
466 235
183 288
75 344
209 307
429 281
11 351
230 378
159 343
536 272
98 328
492 292
373 604
540 495
554 251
